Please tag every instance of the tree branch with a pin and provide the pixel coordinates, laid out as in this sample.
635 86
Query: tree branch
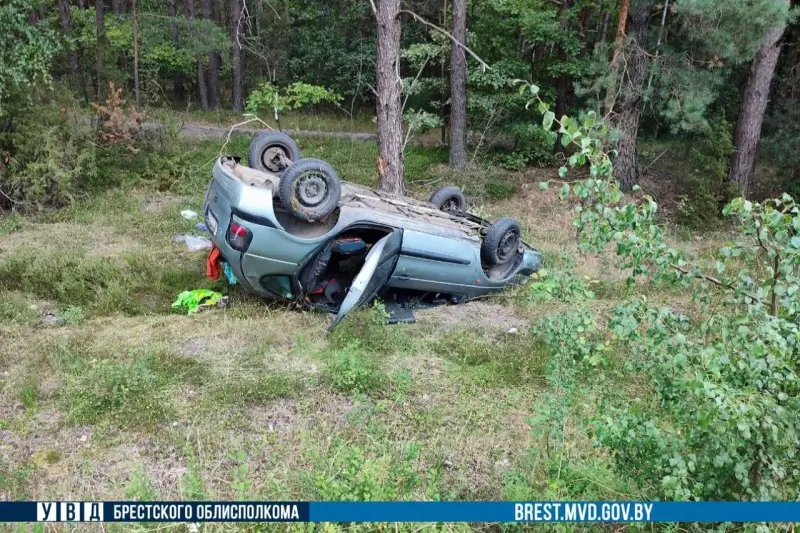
445 32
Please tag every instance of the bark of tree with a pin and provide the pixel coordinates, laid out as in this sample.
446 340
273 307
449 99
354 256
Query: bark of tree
202 93
102 46
178 90
390 120
631 100
751 111
444 94
66 25
563 82
619 43
237 65
135 31
214 100
119 6
458 88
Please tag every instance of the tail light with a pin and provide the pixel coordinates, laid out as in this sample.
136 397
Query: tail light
239 237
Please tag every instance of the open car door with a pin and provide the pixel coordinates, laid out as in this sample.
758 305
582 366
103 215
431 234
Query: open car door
378 268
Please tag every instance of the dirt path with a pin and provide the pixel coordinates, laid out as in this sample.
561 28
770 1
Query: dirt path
206 131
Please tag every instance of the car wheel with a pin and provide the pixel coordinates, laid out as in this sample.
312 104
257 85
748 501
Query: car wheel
448 199
310 189
269 151
502 241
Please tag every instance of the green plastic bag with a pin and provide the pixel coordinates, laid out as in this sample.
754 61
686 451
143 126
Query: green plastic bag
199 299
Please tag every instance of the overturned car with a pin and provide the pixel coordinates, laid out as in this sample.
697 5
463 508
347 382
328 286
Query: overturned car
290 229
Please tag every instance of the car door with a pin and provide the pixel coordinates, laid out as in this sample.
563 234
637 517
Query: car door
378 268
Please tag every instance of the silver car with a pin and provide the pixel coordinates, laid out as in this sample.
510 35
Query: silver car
292 230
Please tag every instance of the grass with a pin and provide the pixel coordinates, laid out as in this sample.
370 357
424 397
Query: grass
257 400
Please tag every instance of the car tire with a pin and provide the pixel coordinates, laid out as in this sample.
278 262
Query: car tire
502 241
448 199
310 189
266 149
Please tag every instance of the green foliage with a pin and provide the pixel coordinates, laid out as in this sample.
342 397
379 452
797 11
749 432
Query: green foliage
52 152
25 54
140 487
356 475
255 388
351 370
708 190
717 416
562 284
295 96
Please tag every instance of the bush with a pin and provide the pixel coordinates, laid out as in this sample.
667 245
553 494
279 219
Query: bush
50 152
708 190
533 145
351 371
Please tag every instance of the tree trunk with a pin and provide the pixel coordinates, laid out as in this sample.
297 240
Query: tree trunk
178 90
201 75
237 66
214 100
118 6
135 31
631 100
751 111
619 42
444 94
458 88
390 120
102 45
66 25
563 82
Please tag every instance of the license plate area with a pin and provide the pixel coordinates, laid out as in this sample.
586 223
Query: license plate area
212 223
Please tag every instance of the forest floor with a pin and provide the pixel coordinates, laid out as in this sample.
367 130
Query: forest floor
127 399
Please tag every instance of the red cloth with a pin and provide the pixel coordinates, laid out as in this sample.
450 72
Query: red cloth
212 264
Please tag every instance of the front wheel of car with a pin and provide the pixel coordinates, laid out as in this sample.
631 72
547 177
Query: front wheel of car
310 189
502 241
270 151
449 199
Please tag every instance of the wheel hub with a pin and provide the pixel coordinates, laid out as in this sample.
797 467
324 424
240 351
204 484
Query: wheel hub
273 157
508 245
312 190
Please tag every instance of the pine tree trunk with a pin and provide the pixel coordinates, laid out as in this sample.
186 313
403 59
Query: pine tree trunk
102 45
390 120
751 111
563 82
631 100
237 66
118 6
135 31
458 88
214 100
178 90
66 25
202 93
619 42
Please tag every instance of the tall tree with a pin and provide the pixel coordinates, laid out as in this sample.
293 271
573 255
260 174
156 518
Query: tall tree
214 100
135 31
458 87
753 105
102 47
237 64
202 93
66 25
177 83
630 104
619 42
563 81
389 107
118 6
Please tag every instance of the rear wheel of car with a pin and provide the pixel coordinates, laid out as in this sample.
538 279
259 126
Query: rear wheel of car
502 241
271 150
449 199
310 189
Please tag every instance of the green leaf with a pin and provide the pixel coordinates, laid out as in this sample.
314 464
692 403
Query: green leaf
562 172
534 89
547 121
543 185
564 190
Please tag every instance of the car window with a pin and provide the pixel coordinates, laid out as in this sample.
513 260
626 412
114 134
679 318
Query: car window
279 285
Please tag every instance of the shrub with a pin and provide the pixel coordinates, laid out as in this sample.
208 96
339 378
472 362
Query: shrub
351 371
